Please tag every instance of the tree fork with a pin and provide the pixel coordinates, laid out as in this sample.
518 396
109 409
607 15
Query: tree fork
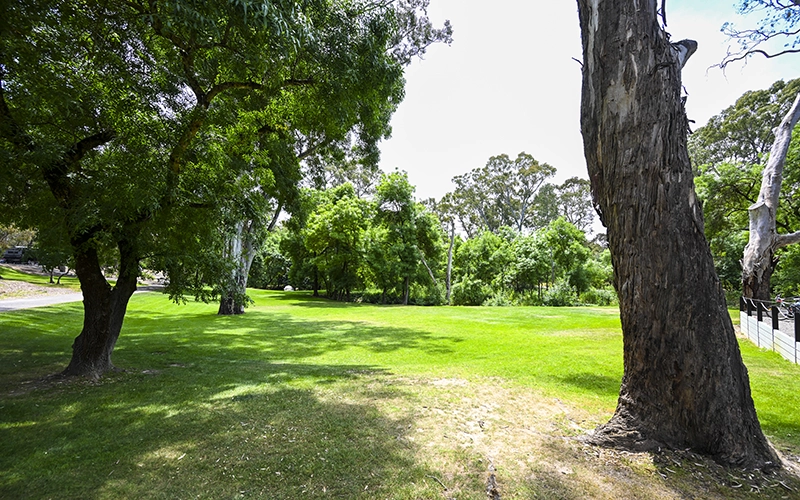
684 384
104 309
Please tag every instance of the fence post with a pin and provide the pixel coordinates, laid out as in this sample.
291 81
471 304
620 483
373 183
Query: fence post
796 336
760 311
775 325
742 306
749 307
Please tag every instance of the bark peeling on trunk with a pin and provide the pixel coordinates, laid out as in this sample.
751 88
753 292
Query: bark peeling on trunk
758 261
242 250
684 384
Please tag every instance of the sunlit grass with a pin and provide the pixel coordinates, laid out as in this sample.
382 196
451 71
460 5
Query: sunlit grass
304 397
11 274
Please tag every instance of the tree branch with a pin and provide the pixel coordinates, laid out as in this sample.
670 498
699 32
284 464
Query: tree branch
782 240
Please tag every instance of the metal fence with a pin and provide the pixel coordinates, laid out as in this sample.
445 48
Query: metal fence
762 324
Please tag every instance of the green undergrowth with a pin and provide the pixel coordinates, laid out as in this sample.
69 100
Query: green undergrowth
308 398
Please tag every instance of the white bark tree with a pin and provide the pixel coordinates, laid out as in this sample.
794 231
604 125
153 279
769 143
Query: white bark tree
764 240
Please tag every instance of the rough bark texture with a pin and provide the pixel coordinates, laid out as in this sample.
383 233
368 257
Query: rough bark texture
759 254
104 309
684 384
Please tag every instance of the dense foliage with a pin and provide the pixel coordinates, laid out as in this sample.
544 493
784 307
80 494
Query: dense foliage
386 247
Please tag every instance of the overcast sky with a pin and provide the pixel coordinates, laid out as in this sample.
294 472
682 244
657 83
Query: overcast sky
508 84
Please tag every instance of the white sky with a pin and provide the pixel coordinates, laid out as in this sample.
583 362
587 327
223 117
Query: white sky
508 84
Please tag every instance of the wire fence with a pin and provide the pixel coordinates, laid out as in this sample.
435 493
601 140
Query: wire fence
771 325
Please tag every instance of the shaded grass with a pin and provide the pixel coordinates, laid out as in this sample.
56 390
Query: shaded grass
303 397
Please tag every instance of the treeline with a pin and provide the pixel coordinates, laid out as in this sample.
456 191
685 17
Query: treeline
504 236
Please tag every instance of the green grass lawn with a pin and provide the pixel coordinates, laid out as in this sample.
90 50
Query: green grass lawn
11 274
307 398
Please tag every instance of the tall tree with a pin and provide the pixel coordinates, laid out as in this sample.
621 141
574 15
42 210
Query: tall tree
499 194
575 202
684 383
102 105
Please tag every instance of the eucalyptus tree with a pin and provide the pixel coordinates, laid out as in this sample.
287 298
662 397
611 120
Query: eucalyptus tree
501 193
574 197
776 34
103 105
684 383
730 153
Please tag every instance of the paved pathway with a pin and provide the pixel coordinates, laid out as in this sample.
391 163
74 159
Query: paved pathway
39 301
49 300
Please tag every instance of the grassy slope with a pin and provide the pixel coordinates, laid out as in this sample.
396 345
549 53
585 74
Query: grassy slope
11 274
308 398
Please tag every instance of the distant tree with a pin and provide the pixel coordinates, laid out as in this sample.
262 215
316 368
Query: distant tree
404 237
532 263
569 251
334 235
575 202
499 194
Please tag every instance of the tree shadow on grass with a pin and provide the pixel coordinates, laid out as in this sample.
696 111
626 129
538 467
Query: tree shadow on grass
210 432
306 299
209 406
602 385
268 335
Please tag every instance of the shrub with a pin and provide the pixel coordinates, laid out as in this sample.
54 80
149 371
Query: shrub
560 294
470 292
599 297
500 298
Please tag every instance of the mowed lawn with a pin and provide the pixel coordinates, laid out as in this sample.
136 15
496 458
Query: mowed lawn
308 398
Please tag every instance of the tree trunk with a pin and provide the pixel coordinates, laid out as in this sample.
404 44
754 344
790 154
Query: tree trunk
406 290
684 384
242 251
103 310
758 261
448 282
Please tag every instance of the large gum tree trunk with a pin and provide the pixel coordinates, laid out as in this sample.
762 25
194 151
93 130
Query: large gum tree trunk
104 309
684 384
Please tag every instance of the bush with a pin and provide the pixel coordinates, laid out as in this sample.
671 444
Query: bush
560 294
600 297
430 295
470 292
500 299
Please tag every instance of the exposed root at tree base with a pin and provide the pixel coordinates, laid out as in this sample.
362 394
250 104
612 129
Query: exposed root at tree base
617 435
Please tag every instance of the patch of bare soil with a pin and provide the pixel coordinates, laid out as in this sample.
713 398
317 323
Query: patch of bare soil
513 442
10 289
13 289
